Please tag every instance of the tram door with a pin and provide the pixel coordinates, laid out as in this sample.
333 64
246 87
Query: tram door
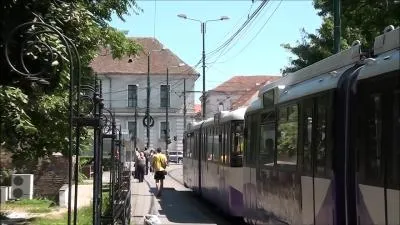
378 150
316 181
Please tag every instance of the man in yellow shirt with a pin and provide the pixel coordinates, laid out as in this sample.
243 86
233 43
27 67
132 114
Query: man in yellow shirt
159 163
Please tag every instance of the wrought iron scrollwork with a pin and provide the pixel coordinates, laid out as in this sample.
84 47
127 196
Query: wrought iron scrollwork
39 52
30 55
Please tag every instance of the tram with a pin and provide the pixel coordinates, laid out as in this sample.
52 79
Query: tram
212 163
321 145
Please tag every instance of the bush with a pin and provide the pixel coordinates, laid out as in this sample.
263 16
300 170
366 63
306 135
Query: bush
81 177
5 177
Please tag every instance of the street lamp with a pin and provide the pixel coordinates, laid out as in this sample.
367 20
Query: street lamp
203 31
167 106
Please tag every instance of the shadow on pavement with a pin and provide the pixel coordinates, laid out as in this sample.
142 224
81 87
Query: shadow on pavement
181 207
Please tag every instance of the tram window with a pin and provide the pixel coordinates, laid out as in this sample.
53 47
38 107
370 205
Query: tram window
321 137
216 145
252 147
287 139
370 161
237 142
247 140
209 144
394 155
196 146
224 144
227 145
267 144
189 145
237 137
307 139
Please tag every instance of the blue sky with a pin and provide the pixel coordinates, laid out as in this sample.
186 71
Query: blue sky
256 52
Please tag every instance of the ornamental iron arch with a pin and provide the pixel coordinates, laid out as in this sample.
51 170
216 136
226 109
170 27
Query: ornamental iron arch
30 42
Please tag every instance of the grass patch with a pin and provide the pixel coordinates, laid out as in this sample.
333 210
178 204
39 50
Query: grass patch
30 205
84 218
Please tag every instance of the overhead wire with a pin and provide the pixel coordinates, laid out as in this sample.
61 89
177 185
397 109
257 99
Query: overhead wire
254 37
244 25
245 33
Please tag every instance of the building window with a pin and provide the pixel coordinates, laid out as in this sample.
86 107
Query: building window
132 130
164 96
163 130
132 95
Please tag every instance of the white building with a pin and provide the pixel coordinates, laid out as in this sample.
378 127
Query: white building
124 83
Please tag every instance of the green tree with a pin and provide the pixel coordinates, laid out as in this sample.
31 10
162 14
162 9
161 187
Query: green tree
34 118
361 20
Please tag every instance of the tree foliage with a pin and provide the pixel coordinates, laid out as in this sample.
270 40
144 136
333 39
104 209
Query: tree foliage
361 20
33 117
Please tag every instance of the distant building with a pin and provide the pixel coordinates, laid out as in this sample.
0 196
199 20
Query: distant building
236 92
125 89
197 111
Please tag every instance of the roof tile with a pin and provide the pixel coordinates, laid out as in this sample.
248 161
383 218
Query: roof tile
244 86
160 58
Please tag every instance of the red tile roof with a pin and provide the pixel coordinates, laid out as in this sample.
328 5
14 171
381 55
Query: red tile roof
244 86
197 108
160 58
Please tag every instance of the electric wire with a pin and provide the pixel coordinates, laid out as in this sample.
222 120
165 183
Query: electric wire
254 37
244 25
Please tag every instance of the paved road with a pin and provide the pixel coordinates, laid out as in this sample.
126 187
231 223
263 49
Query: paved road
178 205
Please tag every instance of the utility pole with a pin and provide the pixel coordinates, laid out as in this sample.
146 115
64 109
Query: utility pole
184 104
337 25
135 140
166 115
148 101
203 31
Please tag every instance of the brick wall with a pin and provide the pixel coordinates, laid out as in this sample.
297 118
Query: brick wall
50 176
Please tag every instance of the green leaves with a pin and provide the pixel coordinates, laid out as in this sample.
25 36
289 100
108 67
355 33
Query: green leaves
34 119
361 20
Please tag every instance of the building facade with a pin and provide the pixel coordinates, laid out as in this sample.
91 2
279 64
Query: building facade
124 84
237 92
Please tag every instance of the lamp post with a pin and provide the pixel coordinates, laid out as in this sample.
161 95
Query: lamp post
167 106
203 32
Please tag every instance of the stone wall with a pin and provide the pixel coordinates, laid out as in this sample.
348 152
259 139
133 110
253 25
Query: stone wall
50 176
5 159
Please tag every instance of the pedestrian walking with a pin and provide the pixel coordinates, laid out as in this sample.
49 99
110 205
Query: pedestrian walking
140 166
151 159
159 164
147 161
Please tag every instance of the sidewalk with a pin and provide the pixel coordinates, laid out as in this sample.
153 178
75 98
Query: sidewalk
176 206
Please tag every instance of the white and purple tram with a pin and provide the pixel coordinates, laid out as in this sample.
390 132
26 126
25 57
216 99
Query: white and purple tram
212 164
323 143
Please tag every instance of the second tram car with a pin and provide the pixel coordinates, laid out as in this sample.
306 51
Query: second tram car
213 160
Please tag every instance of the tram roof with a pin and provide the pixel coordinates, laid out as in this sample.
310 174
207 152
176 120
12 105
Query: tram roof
387 47
325 74
237 114
255 105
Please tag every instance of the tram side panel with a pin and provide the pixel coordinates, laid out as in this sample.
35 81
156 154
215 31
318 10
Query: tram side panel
189 163
214 172
249 167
